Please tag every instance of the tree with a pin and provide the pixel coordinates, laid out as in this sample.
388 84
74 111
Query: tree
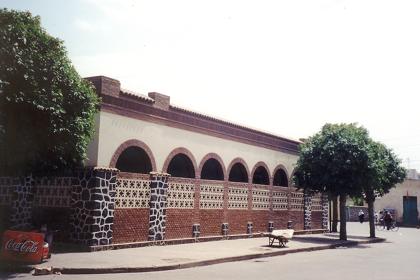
333 161
383 173
46 109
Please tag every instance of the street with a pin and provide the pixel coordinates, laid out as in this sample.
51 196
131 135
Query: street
395 259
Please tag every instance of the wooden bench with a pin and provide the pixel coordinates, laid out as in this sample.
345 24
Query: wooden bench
281 235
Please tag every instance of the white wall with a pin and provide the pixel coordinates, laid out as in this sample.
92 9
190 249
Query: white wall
161 139
394 199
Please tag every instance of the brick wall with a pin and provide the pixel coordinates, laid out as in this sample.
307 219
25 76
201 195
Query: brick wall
205 202
131 225
316 221
297 218
211 222
237 220
179 223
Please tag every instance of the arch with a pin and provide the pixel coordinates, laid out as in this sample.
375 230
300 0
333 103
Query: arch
182 155
133 143
212 168
260 174
238 171
280 177
291 184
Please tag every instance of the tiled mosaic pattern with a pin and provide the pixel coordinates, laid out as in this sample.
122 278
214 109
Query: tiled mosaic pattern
260 199
237 198
279 200
54 192
181 196
296 201
211 197
132 193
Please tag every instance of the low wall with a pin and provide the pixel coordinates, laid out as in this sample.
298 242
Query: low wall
98 207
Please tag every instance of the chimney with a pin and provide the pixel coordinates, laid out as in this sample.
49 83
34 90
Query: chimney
105 85
162 101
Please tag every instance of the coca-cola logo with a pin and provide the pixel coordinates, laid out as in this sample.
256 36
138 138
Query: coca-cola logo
24 246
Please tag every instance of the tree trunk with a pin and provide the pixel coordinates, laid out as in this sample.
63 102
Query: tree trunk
370 199
343 230
334 213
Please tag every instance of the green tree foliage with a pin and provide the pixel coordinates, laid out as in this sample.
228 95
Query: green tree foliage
46 109
383 173
333 161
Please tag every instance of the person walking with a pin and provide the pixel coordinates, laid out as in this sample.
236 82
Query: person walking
361 216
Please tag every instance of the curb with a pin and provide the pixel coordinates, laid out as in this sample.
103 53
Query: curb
67 270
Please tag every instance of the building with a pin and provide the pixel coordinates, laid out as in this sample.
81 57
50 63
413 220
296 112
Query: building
404 199
156 171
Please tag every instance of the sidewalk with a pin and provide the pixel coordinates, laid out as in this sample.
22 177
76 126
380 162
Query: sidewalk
155 258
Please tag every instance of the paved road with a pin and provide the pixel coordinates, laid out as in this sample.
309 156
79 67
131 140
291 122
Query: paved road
396 259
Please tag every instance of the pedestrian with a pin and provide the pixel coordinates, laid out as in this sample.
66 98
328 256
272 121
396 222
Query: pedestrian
361 216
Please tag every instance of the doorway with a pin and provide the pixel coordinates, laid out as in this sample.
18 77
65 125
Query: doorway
410 214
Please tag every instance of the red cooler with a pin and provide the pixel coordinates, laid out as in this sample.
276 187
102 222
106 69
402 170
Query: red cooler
21 246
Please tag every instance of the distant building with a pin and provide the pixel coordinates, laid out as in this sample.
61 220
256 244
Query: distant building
404 198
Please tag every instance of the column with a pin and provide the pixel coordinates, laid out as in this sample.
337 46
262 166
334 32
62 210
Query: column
157 214
92 206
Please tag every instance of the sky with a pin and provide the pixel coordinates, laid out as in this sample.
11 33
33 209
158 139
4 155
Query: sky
286 67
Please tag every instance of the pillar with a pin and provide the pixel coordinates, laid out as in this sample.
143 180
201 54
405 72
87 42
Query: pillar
92 206
325 209
307 209
157 214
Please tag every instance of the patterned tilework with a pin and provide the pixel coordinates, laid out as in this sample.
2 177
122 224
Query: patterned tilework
54 192
279 200
132 193
296 201
7 187
181 196
260 199
237 198
211 197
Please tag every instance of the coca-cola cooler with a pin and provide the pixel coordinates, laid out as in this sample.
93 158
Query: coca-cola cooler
21 246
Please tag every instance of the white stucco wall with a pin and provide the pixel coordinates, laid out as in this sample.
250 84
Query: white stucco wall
394 199
162 140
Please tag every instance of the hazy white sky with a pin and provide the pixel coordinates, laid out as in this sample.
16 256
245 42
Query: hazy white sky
286 67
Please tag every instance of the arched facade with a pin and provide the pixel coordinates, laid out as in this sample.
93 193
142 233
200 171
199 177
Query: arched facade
238 171
212 167
261 174
280 177
133 143
182 154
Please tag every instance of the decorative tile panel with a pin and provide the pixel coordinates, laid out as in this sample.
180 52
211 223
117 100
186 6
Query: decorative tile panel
316 203
296 201
211 197
260 199
279 200
132 193
181 196
237 198
53 192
